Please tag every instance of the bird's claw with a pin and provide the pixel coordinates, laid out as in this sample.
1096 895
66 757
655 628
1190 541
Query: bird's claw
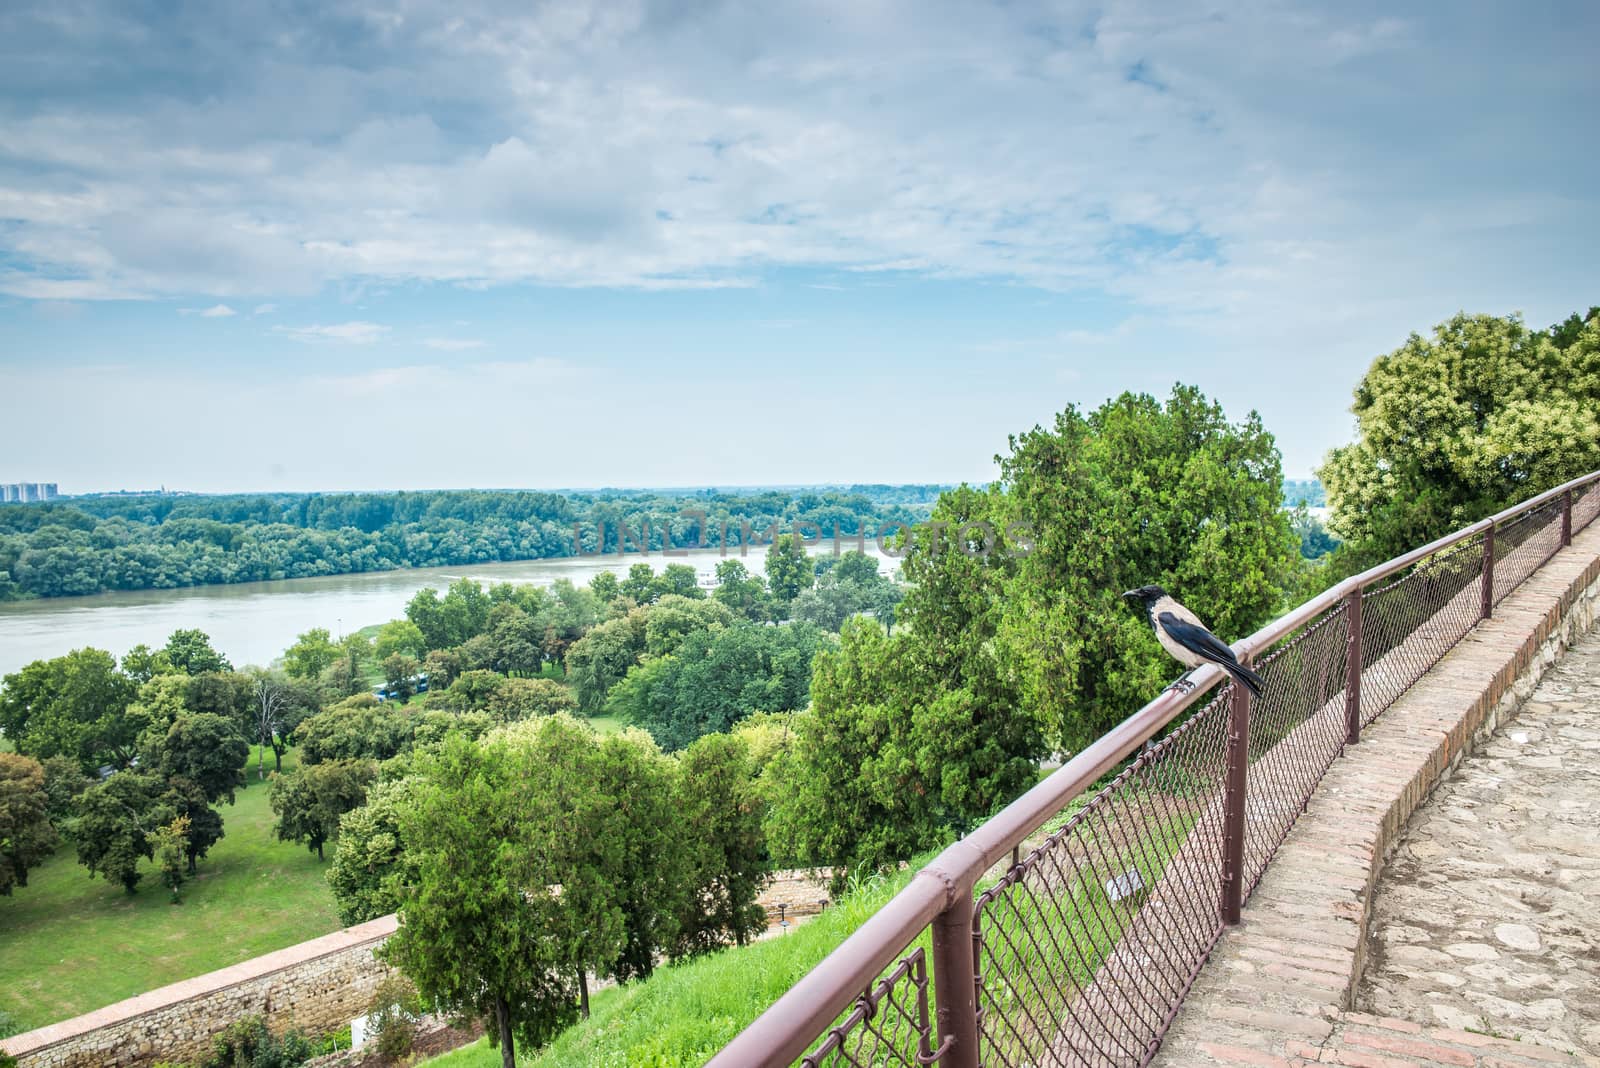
1183 685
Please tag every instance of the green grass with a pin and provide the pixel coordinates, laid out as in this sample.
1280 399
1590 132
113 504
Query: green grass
681 1015
606 724
69 943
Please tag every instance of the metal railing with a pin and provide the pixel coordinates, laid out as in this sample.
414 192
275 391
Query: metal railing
1080 949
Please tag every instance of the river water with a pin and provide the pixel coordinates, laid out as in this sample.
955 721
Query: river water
254 622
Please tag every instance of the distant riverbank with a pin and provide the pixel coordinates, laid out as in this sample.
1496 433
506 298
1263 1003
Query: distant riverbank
253 622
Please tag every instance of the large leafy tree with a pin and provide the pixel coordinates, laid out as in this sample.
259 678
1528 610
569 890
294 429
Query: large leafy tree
644 865
717 677
71 706
186 799
114 824
789 571
1455 426
744 594
204 749
369 872
356 729
311 654
852 793
1017 639
26 835
599 660
1134 492
310 802
498 921
720 812
190 652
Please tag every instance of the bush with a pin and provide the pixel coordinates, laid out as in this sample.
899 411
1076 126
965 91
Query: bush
249 1044
393 1016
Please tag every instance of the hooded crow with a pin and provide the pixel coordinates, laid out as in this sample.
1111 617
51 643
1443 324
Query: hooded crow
1187 640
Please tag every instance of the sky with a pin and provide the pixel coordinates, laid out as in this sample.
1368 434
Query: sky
328 245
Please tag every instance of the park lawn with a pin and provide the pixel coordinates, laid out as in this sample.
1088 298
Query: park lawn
69 943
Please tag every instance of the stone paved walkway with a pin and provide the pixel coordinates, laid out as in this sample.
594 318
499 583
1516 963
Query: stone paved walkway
1487 918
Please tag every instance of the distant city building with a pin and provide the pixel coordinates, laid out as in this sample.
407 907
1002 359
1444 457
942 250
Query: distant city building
23 492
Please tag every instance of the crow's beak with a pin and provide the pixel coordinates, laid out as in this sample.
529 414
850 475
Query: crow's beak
1131 595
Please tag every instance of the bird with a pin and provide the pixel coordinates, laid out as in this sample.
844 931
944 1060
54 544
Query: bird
1187 640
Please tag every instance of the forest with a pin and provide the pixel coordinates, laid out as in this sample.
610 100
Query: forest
117 542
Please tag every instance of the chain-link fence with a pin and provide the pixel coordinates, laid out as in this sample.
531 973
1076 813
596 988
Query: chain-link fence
1081 952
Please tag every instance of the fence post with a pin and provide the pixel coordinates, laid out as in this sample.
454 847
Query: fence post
1488 571
1352 668
955 986
1233 805
1566 519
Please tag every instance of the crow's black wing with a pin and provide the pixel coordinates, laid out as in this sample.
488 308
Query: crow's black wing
1197 640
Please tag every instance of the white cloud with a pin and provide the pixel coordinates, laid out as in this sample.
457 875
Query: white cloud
1263 171
217 311
452 344
352 333
264 309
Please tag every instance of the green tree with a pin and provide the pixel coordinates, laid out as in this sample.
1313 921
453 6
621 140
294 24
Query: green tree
113 826
645 866
1456 426
680 580
190 652
141 664
852 792
606 586
71 706
186 799
171 845
640 585
601 658
400 636
744 594
311 654
205 749
355 729
471 837
370 872
26 835
310 802
400 672
1132 493
716 677
157 706
720 811
64 780
789 571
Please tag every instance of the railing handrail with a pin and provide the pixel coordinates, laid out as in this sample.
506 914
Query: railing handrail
788 1028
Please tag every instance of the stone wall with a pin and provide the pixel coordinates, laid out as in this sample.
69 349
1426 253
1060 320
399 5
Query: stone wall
317 986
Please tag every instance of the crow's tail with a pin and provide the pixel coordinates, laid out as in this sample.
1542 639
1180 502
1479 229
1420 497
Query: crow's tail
1248 678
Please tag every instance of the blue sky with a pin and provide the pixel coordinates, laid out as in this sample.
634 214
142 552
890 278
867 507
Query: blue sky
339 245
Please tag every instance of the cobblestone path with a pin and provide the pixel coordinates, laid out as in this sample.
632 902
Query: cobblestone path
1487 918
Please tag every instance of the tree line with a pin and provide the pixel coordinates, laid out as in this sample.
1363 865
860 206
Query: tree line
121 542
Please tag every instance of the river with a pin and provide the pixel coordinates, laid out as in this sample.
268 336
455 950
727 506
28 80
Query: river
254 622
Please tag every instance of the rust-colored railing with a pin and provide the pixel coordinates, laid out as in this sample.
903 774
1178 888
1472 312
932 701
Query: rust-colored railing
1080 949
